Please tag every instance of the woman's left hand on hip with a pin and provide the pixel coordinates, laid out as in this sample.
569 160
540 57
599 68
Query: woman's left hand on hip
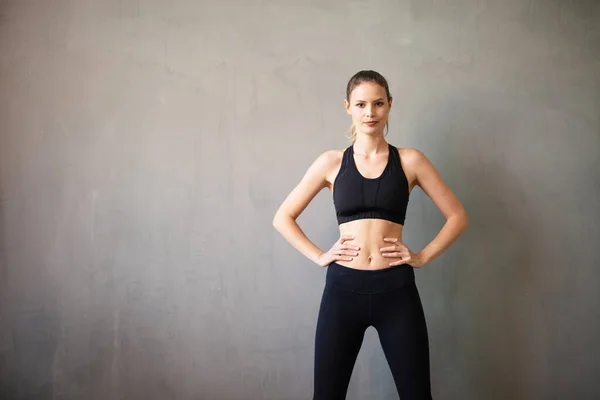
397 249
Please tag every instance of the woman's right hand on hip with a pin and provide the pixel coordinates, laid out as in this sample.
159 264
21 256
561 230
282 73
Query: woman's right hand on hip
341 251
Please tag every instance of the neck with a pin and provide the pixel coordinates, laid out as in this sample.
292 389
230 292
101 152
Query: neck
369 145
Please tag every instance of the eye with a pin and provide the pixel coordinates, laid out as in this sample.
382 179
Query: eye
380 103
360 104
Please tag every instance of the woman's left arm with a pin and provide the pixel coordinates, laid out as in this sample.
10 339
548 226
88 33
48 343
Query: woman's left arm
457 220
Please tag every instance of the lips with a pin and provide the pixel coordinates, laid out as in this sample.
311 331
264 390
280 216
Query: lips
371 123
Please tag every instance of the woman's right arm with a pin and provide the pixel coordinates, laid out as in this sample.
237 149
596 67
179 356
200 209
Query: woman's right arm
284 221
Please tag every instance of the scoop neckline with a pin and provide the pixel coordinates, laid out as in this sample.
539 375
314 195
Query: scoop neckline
384 170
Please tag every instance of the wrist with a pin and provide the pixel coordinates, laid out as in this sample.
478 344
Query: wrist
422 259
317 256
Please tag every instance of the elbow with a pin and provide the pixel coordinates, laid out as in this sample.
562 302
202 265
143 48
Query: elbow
276 222
279 221
461 219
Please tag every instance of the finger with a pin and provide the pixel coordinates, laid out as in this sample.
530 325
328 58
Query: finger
391 240
349 247
340 252
343 238
394 255
343 258
401 262
345 253
391 248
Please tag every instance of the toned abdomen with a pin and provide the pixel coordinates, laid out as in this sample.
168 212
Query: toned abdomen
369 235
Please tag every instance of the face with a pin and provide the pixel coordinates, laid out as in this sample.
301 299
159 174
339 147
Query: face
369 108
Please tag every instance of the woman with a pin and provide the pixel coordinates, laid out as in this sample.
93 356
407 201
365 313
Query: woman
370 277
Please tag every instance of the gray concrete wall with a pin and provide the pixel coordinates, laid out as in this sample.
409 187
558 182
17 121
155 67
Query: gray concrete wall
145 146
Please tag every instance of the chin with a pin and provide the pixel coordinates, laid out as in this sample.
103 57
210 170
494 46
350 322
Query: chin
371 130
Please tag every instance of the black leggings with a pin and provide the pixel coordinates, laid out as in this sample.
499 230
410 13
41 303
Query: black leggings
386 299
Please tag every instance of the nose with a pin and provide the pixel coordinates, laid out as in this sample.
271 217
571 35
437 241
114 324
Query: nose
369 111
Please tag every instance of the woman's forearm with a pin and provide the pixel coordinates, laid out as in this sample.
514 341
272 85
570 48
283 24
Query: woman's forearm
452 229
290 230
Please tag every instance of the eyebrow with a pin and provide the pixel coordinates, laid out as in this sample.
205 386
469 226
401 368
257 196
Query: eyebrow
364 101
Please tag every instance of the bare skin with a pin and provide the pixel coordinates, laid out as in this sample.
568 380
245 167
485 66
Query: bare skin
371 235
371 243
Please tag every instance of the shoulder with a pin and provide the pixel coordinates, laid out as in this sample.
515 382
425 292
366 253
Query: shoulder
414 163
411 157
327 165
329 159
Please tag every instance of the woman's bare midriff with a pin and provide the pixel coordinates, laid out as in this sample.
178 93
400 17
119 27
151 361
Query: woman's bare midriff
368 235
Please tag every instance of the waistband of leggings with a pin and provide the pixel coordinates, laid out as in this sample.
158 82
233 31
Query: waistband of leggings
369 281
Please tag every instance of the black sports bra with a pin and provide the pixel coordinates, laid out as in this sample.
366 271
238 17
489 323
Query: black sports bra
356 197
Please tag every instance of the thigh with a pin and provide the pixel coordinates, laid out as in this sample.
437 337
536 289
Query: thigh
400 322
343 318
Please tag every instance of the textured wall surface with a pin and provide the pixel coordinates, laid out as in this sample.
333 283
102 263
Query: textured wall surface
145 146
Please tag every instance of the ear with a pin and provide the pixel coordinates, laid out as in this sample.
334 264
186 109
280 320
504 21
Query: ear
347 106
390 102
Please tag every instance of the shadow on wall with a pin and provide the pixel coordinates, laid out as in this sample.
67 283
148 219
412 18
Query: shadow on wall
28 333
27 365
482 341
3 256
